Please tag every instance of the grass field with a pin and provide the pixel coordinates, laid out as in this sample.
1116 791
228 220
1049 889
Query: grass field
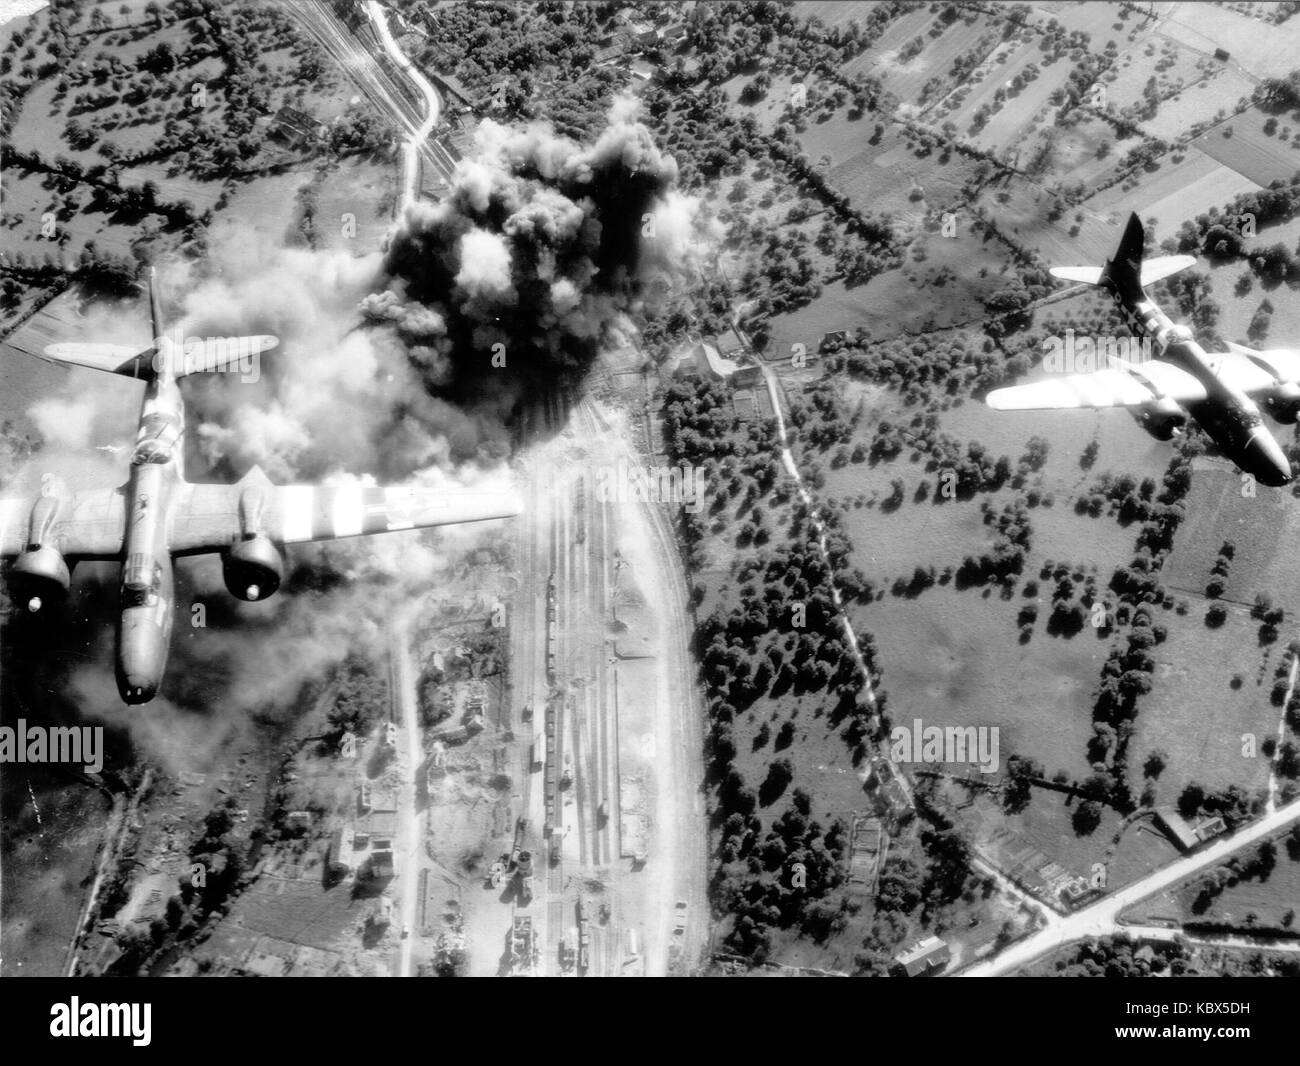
1265 50
1241 143
1176 192
1193 713
1220 88
1264 529
359 192
953 658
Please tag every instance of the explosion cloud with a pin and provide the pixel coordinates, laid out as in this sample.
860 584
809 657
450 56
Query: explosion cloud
539 252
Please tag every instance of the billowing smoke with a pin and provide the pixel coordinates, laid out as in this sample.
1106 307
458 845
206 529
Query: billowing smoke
543 249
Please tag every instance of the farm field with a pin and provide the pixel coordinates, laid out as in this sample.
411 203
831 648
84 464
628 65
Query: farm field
1264 530
1218 91
1264 50
904 76
953 658
1176 191
885 176
1241 144
1194 714
354 206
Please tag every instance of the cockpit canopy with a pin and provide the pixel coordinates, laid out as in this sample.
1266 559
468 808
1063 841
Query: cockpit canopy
156 441
141 582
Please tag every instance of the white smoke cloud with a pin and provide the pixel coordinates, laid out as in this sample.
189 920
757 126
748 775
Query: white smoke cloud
484 265
66 423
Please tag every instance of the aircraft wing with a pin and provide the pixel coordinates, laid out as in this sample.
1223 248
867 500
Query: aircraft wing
1254 372
1126 386
91 525
208 518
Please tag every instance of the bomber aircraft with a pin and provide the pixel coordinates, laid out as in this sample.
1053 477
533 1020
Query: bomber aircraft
157 515
1217 389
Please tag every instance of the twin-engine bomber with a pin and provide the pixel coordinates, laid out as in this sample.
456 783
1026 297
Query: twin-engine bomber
158 515
1215 389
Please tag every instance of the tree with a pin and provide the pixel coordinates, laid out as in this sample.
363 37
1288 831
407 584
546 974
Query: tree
1087 817
779 775
1155 764
1189 803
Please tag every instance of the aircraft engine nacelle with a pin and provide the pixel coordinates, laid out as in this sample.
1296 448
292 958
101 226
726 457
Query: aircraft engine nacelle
38 577
40 574
1284 402
253 568
1164 419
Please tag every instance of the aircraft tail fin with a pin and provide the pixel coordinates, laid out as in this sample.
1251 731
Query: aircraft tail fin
1123 270
1126 271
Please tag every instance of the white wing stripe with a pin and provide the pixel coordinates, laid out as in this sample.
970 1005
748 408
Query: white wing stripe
400 505
297 503
349 512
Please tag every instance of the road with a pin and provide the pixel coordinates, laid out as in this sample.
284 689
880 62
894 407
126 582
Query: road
1102 917
415 114
851 638
412 146
409 830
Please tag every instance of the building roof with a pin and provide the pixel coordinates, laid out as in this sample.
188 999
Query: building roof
728 342
711 362
453 86
378 823
1210 827
1176 826
924 956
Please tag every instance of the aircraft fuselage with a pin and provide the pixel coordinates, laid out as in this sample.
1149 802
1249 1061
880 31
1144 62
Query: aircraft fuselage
145 626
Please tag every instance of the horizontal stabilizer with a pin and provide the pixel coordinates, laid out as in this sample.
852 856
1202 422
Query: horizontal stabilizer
1154 270
1080 275
122 359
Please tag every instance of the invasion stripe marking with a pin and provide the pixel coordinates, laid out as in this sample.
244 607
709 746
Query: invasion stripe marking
400 505
296 506
348 518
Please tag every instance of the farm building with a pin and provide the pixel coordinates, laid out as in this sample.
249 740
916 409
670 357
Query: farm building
923 959
706 360
1185 835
